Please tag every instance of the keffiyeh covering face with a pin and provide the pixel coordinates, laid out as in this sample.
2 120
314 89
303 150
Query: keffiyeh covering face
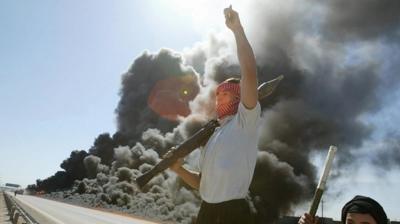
365 205
232 107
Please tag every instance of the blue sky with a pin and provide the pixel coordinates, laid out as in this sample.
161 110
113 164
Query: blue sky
60 70
61 65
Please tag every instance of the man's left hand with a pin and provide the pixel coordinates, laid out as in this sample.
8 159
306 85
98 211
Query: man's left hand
232 20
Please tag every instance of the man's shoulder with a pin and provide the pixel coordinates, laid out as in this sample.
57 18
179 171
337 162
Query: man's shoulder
255 111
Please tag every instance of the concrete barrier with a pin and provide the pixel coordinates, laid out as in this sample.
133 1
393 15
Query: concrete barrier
16 212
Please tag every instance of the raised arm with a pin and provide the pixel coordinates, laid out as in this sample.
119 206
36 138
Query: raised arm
248 69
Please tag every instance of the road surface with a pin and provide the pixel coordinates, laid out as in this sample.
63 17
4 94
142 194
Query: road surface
52 212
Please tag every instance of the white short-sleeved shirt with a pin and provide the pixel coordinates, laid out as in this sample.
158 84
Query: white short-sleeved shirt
228 159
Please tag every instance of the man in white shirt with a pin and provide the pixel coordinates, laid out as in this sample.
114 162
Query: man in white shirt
228 159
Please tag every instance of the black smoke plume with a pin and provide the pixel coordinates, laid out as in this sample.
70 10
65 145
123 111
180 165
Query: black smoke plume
387 154
134 112
74 170
104 145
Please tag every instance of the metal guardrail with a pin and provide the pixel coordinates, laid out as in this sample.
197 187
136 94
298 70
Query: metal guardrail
16 211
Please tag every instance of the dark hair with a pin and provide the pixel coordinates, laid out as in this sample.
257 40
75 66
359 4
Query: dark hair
365 205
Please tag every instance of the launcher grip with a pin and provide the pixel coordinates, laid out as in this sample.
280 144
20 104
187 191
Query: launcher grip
180 151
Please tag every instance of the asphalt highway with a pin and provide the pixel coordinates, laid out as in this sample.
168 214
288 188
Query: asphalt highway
52 212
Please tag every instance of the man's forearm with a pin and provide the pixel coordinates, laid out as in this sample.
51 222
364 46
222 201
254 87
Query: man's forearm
190 177
245 53
248 68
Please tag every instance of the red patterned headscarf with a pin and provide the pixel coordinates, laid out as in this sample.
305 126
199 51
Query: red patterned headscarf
232 107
